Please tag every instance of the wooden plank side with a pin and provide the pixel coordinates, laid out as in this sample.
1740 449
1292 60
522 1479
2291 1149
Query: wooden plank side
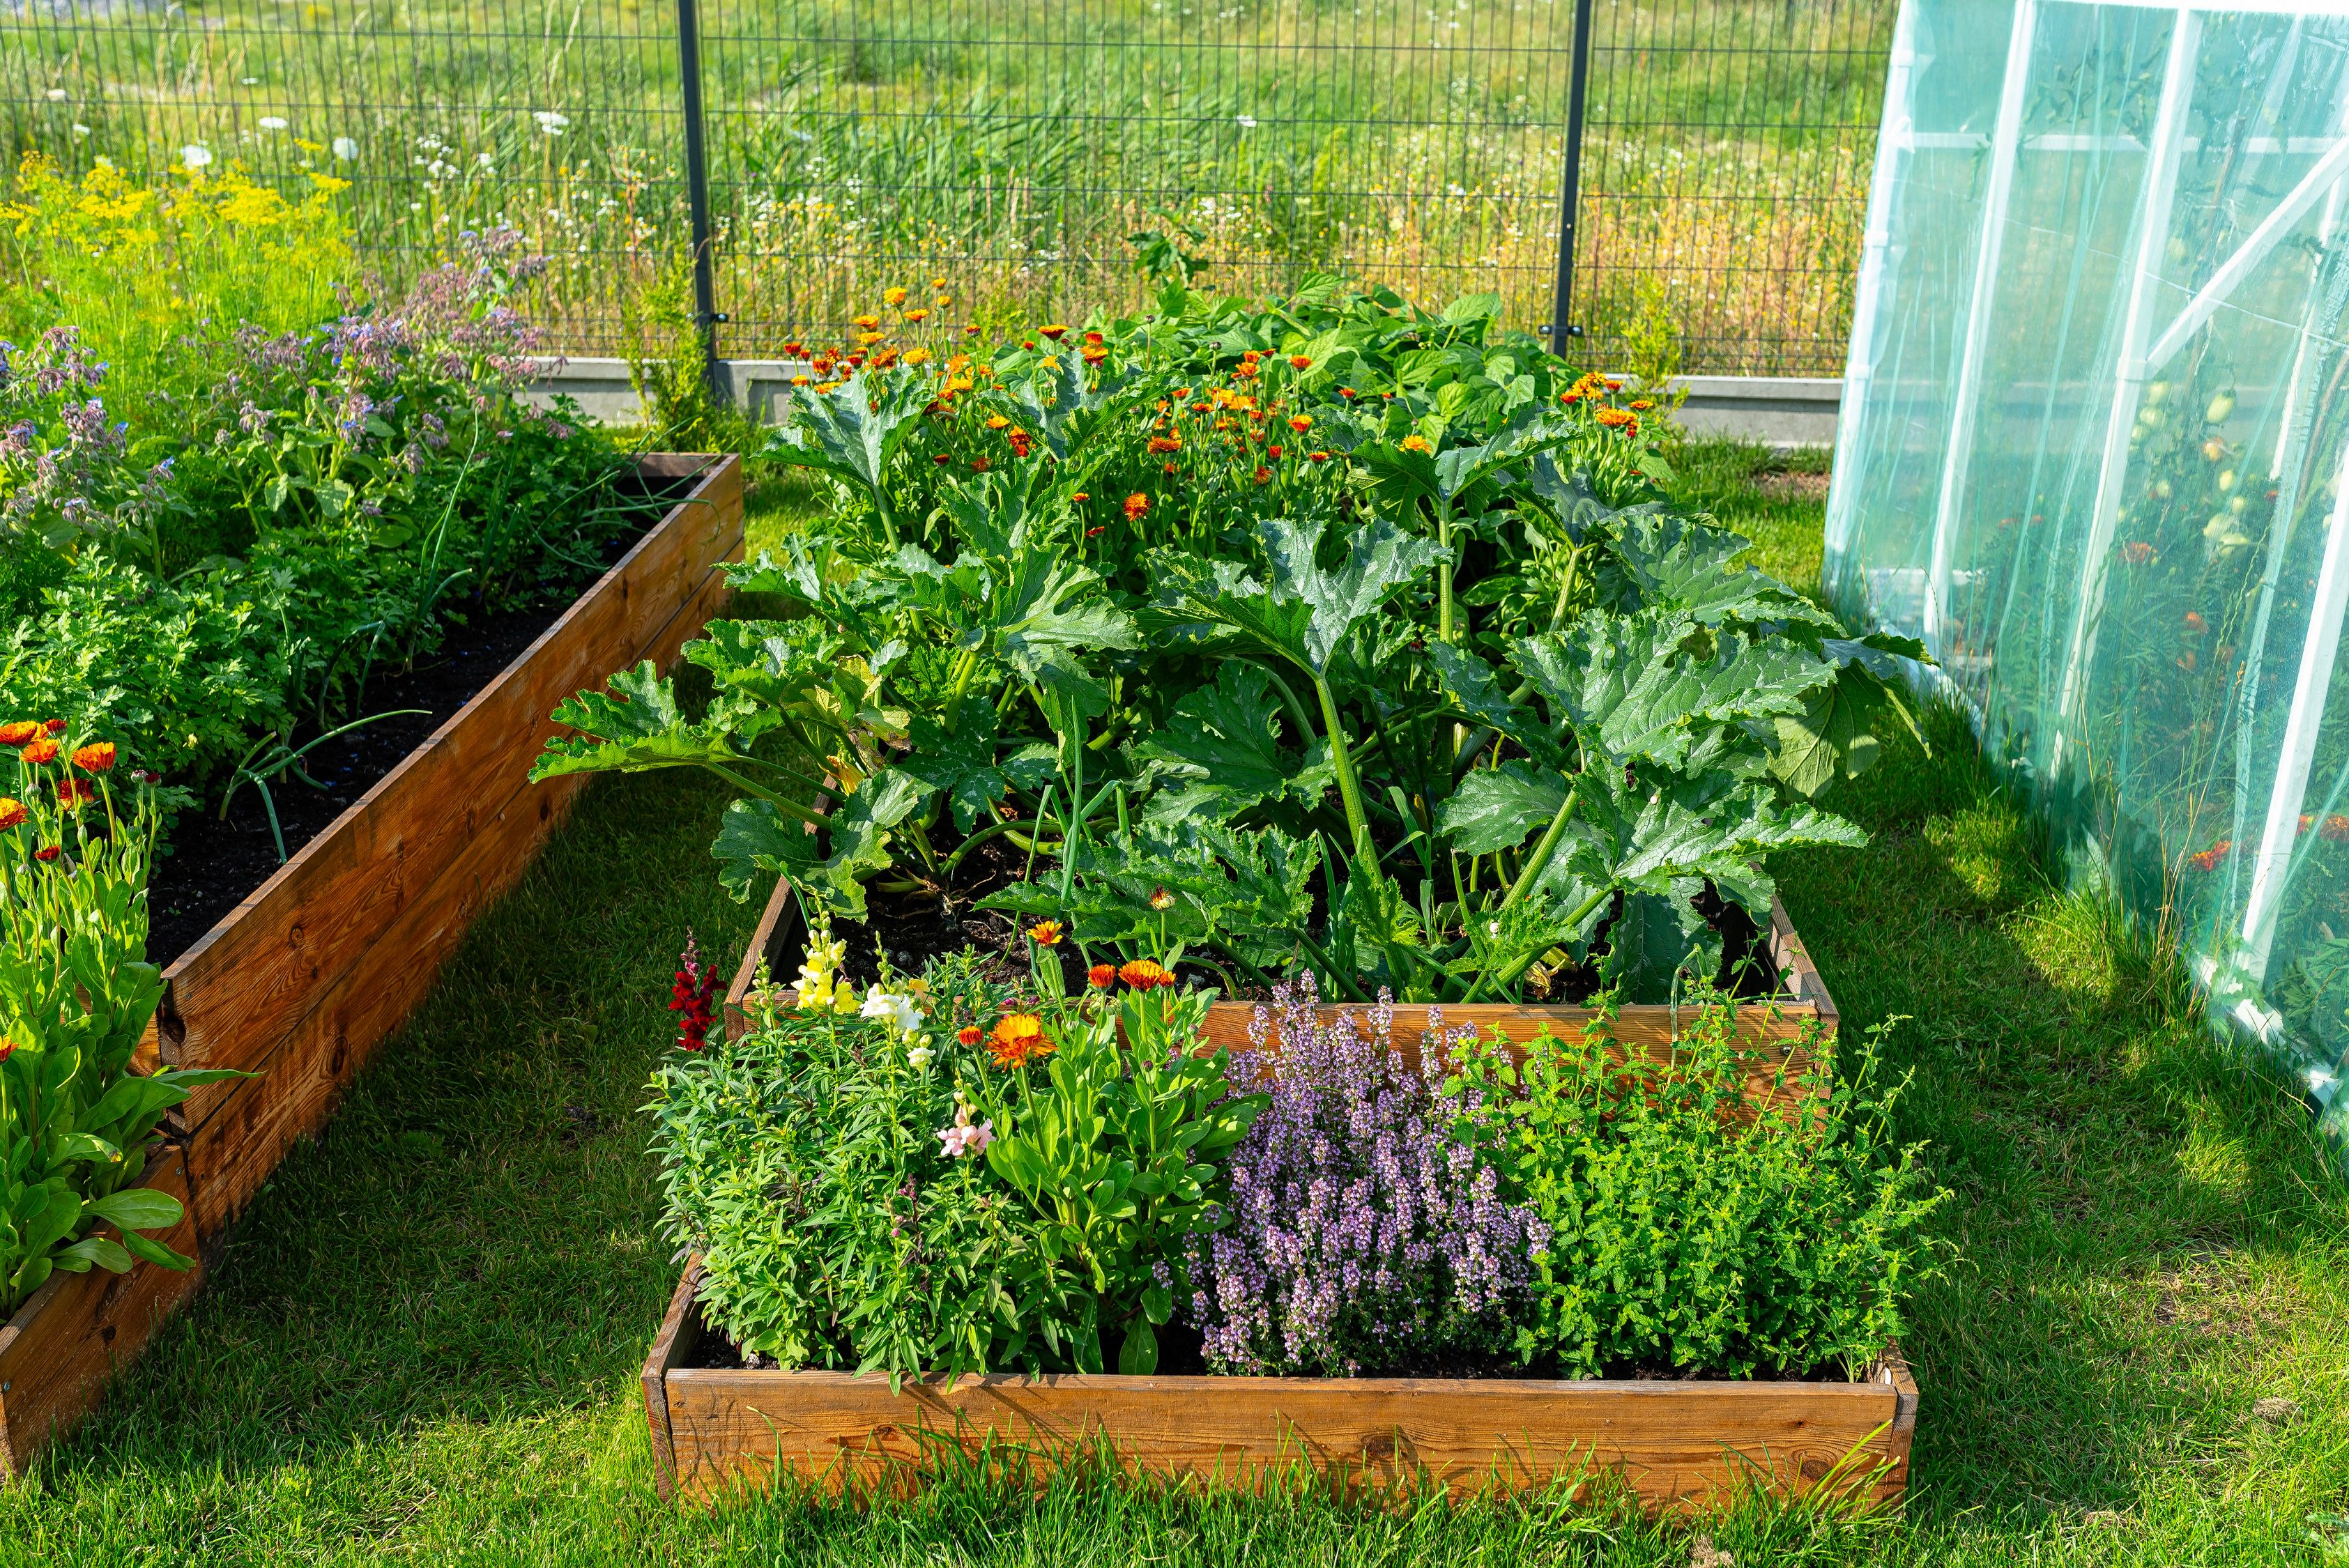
58 1352
1674 1444
255 1121
251 983
680 1332
233 1150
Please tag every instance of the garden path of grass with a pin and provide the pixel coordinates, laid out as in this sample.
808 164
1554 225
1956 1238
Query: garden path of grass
423 1339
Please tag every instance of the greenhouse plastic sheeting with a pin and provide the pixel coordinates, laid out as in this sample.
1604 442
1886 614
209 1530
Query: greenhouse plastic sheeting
2095 451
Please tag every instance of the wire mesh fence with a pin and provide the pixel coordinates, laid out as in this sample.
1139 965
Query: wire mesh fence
1013 149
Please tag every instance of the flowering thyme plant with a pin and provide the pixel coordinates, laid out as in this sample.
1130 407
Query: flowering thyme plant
1367 1235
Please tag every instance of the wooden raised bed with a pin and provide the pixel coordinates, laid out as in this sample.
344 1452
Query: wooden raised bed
301 981
1674 1445
1782 1023
65 1341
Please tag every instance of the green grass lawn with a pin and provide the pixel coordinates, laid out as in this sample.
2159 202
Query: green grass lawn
422 1343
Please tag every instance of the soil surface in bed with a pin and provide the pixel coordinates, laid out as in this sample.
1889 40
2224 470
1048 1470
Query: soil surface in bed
211 865
914 927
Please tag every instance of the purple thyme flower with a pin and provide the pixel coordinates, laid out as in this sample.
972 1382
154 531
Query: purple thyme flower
1363 1232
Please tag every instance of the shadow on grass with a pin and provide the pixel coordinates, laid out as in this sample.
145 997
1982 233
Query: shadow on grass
2107 1154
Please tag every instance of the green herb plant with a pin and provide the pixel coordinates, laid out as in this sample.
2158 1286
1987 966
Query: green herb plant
1695 1222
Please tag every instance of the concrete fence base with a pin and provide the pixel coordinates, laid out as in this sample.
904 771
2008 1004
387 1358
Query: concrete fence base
1786 412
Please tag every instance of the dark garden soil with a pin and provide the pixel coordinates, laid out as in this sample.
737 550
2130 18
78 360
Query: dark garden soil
210 865
915 926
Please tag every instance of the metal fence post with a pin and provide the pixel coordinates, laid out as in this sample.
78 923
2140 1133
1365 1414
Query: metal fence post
706 316
1570 196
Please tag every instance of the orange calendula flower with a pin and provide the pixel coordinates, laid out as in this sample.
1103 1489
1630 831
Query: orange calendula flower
1317 457
917 356
1245 367
867 323
971 1034
2335 828
1263 475
1642 405
55 727
1165 444
1300 362
1102 976
2208 859
894 297
2194 623
1058 329
1416 444
13 812
1617 419
1144 975
94 757
2137 552
997 422
1136 506
1045 934
41 750
1095 355
1016 1037
75 791
1161 900
16 732
1081 498
1300 423
1252 355
917 315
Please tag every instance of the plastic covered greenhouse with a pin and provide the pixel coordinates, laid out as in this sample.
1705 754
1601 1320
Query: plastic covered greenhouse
2094 450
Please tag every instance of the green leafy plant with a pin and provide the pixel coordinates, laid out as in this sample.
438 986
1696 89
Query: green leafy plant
1115 1151
1691 1223
76 994
1323 633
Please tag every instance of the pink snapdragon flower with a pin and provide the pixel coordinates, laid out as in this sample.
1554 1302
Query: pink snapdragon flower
962 1137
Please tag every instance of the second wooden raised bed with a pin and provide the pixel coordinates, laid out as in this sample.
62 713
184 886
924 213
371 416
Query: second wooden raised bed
327 957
